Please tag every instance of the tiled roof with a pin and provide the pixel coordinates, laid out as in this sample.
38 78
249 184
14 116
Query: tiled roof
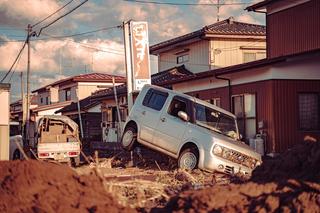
91 77
226 27
85 104
229 27
161 78
51 106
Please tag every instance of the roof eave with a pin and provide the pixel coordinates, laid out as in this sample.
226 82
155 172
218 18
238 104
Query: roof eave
258 6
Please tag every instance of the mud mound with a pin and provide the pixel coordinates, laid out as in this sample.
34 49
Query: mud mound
32 186
287 183
301 162
251 197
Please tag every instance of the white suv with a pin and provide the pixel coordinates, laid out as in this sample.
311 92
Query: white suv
193 131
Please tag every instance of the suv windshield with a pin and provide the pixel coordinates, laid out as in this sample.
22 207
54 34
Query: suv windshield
216 121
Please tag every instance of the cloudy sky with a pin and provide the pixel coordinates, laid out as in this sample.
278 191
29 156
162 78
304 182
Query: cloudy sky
55 54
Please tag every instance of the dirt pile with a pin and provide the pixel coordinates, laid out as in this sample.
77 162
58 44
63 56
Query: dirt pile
33 186
288 183
301 162
250 197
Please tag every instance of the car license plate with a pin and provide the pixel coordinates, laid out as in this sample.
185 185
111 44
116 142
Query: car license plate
59 156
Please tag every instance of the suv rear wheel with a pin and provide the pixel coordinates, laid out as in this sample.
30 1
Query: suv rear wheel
129 138
188 159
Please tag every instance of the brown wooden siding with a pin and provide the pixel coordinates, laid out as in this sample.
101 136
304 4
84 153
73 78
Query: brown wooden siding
294 30
286 114
276 104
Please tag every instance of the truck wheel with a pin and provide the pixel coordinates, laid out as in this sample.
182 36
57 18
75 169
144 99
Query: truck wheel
129 138
75 162
16 155
188 159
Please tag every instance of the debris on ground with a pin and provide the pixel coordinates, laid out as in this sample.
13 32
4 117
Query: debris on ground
290 182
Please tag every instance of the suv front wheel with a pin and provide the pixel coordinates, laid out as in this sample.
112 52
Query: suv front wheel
188 159
129 138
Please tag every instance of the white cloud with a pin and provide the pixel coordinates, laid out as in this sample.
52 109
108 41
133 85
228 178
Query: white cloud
22 12
49 56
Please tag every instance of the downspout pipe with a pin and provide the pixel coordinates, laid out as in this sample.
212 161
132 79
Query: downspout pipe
229 88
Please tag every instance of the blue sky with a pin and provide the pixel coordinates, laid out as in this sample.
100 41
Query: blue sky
53 59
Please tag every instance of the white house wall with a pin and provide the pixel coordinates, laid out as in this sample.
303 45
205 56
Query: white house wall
225 53
198 57
95 108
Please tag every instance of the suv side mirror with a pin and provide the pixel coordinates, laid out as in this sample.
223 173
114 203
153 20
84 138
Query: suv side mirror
183 116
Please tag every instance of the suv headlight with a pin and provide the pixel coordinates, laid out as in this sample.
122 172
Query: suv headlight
217 150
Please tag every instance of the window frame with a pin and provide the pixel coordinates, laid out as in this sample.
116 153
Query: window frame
245 118
184 58
148 96
298 109
66 97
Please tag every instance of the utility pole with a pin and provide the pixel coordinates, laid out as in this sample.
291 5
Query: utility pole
128 64
28 87
218 10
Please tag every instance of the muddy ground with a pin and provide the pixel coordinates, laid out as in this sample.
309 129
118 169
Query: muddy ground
108 183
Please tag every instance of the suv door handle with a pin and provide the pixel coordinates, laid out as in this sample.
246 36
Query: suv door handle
143 112
163 119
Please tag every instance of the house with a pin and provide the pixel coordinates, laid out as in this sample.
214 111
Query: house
59 94
90 112
277 96
16 111
222 44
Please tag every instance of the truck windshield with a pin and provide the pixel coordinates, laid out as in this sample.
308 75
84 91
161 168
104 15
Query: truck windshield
215 121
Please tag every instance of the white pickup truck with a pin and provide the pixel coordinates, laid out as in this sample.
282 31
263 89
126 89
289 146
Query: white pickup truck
58 139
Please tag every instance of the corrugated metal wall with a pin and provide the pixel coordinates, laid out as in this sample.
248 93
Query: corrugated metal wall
276 104
294 30
286 113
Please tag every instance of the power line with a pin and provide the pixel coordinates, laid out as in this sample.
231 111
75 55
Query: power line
84 33
67 36
186 4
60 17
15 61
52 13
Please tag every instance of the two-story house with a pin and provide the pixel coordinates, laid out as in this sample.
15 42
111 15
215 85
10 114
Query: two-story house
278 96
61 93
222 44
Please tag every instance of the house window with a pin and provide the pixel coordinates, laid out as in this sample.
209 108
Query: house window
41 100
47 100
68 94
214 101
182 58
252 56
155 99
244 107
309 111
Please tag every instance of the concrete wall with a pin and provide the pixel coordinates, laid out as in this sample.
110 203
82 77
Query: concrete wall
4 121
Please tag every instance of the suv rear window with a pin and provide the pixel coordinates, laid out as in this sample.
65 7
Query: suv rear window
155 99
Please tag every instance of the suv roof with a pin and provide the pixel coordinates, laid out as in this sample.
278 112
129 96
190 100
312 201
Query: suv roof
196 100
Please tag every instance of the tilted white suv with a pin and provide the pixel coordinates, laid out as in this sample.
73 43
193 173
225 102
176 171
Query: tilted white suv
193 131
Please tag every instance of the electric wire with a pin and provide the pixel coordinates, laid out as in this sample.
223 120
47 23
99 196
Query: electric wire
186 4
39 22
15 61
60 17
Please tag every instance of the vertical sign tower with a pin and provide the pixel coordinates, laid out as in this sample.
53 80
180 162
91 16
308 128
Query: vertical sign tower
137 57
